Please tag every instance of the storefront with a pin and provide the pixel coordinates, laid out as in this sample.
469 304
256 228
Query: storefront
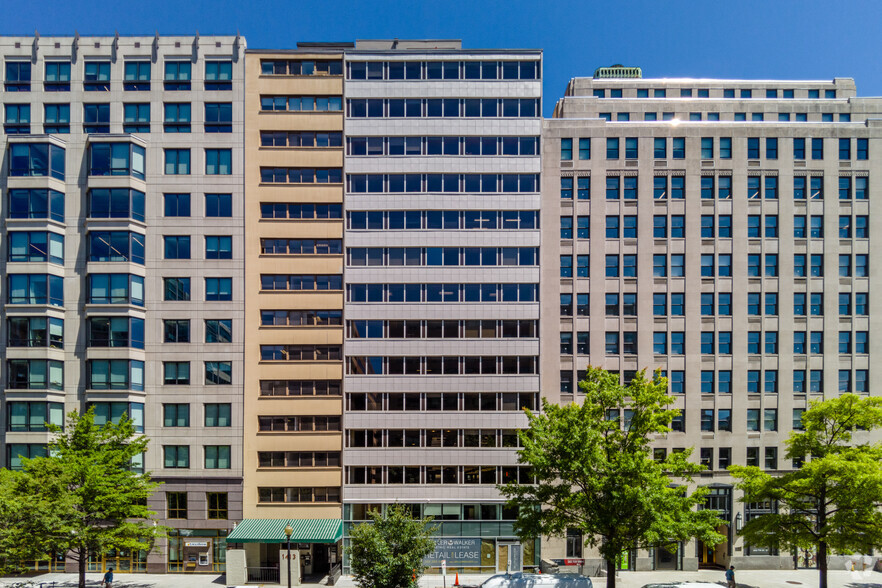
197 550
261 547
472 538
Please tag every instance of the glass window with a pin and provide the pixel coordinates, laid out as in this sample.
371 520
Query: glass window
218 75
36 159
176 117
218 162
177 162
218 117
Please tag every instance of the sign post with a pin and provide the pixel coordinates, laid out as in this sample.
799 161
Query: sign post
444 572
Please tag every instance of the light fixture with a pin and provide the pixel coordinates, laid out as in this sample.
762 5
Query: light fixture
738 522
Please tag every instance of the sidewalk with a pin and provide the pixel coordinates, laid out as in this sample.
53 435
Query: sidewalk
746 579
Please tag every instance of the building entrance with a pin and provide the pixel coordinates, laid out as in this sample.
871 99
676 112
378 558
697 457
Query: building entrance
508 557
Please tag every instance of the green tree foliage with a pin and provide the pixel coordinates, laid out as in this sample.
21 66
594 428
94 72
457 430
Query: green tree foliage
598 475
832 502
90 498
388 551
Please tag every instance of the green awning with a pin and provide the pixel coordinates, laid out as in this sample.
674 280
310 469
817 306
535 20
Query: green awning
273 531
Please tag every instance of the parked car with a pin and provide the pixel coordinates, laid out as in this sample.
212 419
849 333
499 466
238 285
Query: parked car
522 580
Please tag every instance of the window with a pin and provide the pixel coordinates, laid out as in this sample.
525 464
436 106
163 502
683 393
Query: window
176 289
566 227
678 147
678 265
660 343
177 75
799 342
116 159
612 343
863 149
612 148
136 76
56 119
176 456
218 117
584 149
116 332
218 331
861 381
176 205
218 75
724 385
35 289
176 373
817 188
707 148
96 118
177 162
725 147
678 339
566 149
219 205
583 186
707 419
861 265
35 246
861 342
136 118
218 247
677 303
771 458
753 419
36 159
217 505
217 457
861 226
707 342
816 342
175 415
660 226
566 188
176 502
771 268
631 148
677 382
566 266
798 148
770 419
33 416
771 304
18 76
176 117
707 265
176 247
582 305
218 162
566 305
816 381
115 374
724 306
218 289
218 373
96 76
817 265
861 302
18 119
583 227
771 187
176 330
582 266
799 381
799 188
35 332
817 148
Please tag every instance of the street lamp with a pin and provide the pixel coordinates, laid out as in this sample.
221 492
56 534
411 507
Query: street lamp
288 531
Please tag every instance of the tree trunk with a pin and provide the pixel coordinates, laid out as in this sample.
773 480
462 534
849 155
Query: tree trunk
82 565
611 574
822 564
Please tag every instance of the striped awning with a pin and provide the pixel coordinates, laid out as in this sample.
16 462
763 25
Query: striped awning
273 531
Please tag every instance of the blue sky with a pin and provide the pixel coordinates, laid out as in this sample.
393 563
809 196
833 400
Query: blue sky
787 39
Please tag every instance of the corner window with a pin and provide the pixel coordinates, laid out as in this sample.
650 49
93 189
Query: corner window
116 159
36 159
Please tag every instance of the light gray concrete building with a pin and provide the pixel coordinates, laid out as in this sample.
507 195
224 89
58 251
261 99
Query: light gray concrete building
441 313
122 264
718 230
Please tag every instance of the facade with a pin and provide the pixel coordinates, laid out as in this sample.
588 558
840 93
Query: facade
122 264
294 295
720 231
441 313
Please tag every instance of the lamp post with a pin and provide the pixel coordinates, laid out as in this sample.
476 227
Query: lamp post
288 531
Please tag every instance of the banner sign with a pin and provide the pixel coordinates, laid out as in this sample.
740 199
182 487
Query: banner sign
458 551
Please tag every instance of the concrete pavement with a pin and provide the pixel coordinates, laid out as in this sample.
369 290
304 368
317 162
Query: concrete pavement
745 578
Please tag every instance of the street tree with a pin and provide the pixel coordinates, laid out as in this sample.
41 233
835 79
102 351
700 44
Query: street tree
388 550
594 471
832 500
90 490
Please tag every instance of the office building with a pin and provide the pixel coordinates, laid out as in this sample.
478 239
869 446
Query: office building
717 230
293 308
122 264
441 282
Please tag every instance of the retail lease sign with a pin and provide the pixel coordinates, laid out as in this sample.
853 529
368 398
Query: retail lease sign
458 551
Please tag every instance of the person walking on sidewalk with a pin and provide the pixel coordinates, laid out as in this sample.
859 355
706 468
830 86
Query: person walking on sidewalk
730 577
108 578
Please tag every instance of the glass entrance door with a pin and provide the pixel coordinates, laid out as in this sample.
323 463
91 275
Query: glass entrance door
509 557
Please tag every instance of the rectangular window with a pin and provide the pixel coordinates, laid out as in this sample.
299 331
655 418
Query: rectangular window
798 148
218 373
217 457
218 289
176 117
817 148
584 149
218 75
566 188
176 330
176 502
218 247
176 373
176 456
218 162
136 118
566 149
96 118
175 415
18 76
217 505
176 289
612 148
177 75
177 162
583 187
176 247
56 119
707 147
218 117
136 76
863 150
176 205
725 147
96 76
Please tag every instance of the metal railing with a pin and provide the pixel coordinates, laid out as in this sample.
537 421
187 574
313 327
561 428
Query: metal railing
262 575
334 574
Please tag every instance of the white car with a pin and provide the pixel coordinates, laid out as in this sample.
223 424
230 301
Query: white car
522 580
682 585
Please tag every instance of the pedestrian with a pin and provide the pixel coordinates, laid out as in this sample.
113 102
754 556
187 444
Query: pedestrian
730 577
108 578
